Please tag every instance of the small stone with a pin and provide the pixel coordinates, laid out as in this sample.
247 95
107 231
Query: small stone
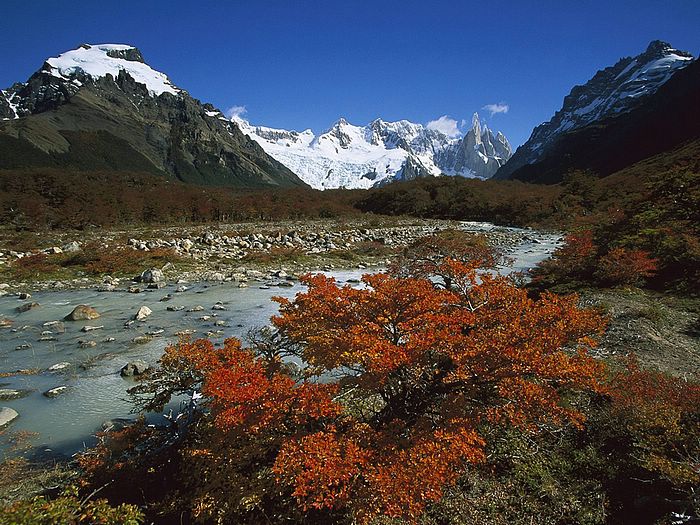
7 416
175 308
197 308
26 307
55 392
59 366
110 339
118 423
134 289
57 326
156 286
219 306
24 346
24 296
166 298
182 288
91 328
71 247
87 344
142 313
82 312
8 394
141 339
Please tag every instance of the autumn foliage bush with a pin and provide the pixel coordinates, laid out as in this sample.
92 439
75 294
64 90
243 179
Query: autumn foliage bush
627 267
69 509
581 261
661 415
402 380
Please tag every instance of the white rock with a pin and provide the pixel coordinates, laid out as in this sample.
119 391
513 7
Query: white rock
143 312
59 366
7 416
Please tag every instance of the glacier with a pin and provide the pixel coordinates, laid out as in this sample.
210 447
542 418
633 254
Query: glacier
361 157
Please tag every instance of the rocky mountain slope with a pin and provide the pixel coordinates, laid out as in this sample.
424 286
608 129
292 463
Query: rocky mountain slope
101 107
349 156
612 92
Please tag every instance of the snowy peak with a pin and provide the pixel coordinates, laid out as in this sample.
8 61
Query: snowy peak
98 61
614 90
350 156
63 76
659 49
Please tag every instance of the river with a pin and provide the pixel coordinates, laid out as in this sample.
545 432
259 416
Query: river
96 391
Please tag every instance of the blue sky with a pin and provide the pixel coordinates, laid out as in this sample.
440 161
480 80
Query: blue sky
298 64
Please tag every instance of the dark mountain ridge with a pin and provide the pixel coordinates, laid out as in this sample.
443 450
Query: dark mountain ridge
609 96
668 119
70 117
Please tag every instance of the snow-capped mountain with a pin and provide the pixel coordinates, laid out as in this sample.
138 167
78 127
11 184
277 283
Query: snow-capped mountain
614 90
102 107
86 63
349 156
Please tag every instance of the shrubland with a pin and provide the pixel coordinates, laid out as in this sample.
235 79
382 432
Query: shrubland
431 394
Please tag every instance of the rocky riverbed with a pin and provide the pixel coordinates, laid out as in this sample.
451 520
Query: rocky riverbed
69 352
234 252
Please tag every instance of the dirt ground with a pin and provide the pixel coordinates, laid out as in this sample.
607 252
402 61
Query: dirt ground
661 329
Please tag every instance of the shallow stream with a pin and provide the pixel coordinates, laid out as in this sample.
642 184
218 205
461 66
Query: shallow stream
96 391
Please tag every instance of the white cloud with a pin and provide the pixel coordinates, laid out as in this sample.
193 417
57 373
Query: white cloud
446 125
236 111
501 107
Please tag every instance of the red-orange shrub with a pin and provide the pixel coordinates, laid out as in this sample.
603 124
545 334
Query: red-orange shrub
623 266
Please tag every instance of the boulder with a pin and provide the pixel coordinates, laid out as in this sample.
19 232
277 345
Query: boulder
143 312
82 312
152 276
7 416
134 368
